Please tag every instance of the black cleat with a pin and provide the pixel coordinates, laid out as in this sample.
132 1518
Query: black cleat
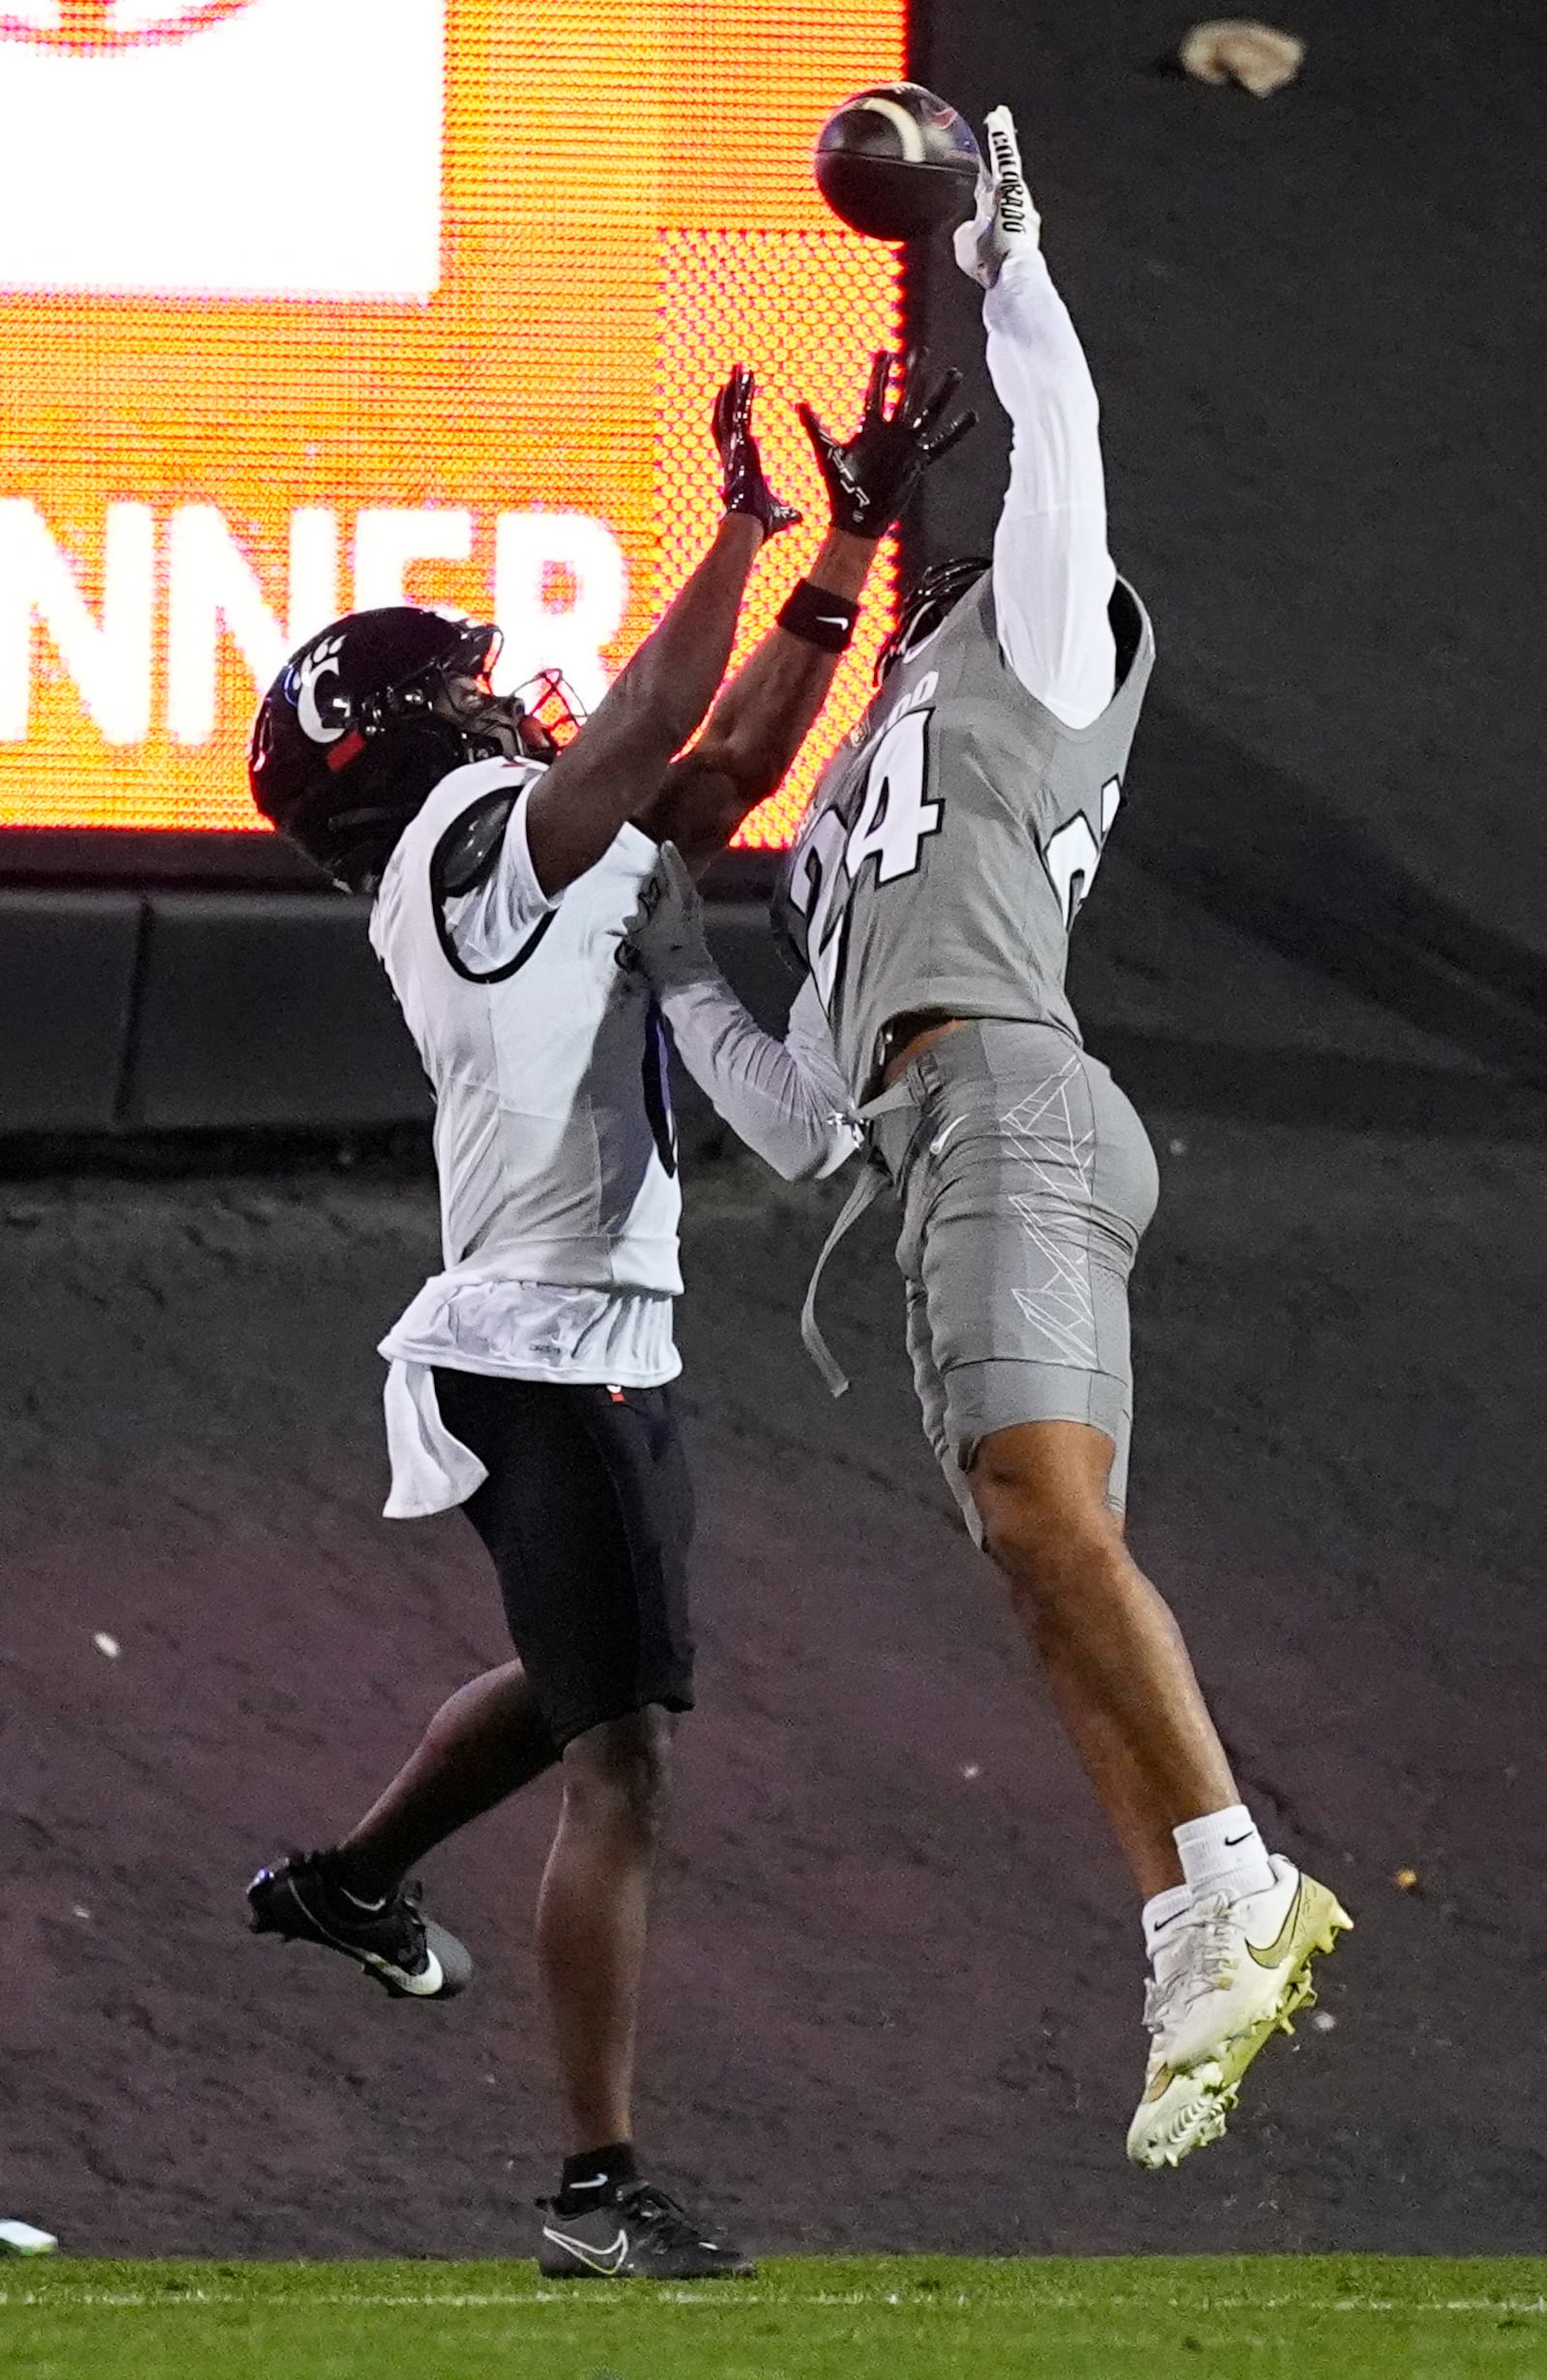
410 1955
634 2234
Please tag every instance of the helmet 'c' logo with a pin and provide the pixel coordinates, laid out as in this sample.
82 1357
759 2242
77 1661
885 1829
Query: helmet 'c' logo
323 716
85 26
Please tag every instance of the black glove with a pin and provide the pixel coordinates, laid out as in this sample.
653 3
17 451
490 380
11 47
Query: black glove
871 478
746 490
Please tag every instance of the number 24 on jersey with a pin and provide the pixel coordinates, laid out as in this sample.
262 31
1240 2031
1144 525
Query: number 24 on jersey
894 822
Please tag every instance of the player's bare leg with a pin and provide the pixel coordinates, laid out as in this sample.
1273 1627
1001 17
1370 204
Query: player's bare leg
1113 1655
592 1918
484 1743
1231 1960
593 1912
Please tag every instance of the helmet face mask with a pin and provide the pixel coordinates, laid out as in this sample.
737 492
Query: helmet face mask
369 716
551 714
537 719
459 688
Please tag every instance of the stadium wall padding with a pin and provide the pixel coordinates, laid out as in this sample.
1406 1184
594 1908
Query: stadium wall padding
174 1011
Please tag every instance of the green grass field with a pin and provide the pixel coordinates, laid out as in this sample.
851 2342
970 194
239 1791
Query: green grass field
838 2318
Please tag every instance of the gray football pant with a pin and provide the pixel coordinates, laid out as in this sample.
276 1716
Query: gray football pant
1026 1182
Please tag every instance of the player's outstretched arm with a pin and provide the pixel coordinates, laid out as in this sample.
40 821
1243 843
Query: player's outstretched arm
765 712
764 716
1053 575
658 700
785 1100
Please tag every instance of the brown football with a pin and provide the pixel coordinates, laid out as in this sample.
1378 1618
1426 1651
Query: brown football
896 163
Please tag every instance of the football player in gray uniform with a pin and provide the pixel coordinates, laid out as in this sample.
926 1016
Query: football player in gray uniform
529 1379
931 895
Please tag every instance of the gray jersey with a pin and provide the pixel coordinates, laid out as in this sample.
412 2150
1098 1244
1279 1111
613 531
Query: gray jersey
954 835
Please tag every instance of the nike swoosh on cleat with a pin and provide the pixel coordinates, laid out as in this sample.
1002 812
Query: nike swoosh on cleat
421 1987
424 1985
1277 1951
608 2259
1205 2077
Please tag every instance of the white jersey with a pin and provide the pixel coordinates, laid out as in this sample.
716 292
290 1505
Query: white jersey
553 1139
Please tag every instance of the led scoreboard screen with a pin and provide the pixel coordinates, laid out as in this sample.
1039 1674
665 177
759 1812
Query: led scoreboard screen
312 304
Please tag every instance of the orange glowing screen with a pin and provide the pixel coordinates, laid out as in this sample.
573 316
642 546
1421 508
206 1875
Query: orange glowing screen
304 307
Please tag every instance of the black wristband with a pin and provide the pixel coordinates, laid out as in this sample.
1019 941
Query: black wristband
818 618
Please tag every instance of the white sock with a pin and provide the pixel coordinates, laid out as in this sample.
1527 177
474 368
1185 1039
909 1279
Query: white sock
1223 1853
1162 1913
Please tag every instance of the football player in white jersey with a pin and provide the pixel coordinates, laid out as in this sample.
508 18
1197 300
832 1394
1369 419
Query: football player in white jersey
527 1379
930 893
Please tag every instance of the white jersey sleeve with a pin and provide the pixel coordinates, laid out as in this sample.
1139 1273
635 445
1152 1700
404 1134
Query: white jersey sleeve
1053 575
489 925
785 1100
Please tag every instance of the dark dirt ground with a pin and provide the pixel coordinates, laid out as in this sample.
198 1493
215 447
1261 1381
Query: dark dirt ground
896 1983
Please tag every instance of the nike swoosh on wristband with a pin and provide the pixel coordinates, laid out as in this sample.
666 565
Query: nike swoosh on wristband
1277 1951
608 2259
1231 1841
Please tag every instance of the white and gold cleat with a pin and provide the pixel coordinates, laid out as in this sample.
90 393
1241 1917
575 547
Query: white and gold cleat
1235 1974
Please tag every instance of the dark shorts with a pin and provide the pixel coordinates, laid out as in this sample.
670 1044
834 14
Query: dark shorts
588 1515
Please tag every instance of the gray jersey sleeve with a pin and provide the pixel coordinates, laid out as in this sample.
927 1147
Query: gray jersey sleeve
785 1100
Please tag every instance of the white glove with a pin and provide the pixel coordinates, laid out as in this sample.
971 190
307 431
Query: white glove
1006 224
665 935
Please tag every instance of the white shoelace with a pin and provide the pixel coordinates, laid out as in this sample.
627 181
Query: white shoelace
1205 1960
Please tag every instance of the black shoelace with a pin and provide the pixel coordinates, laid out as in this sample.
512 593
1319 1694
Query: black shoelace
665 2214
399 1909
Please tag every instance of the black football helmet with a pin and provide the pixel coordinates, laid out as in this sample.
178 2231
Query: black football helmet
364 720
926 606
